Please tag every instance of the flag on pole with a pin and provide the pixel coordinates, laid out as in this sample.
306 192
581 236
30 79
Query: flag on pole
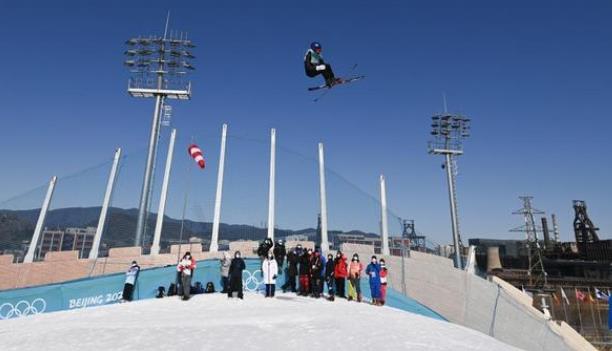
600 295
556 298
564 296
590 297
580 295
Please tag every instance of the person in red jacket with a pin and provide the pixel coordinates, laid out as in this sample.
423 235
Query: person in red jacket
340 274
186 267
383 281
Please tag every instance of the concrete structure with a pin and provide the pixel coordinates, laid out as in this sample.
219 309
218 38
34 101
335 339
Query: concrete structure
323 197
164 195
72 239
214 241
29 257
65 265
493 307
271 194
493 261
110 185
383 217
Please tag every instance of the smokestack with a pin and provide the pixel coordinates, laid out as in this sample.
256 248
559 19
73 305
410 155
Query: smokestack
493 261
555 228
547 243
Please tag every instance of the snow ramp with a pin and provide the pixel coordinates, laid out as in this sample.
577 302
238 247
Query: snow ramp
214 322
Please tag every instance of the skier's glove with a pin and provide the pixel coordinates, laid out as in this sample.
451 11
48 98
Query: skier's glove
274 276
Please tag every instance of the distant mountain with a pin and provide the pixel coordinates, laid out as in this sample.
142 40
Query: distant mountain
17 227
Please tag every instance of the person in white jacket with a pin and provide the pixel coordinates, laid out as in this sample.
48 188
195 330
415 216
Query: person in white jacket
130 281
269 268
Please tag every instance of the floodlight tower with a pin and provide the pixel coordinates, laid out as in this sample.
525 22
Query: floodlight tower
448 132
158 67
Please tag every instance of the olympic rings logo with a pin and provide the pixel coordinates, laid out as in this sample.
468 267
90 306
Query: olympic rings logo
22 308
250 281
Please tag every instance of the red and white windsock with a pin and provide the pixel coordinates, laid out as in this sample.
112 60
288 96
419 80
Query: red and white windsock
196 154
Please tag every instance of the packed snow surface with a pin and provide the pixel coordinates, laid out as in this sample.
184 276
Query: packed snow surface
214 322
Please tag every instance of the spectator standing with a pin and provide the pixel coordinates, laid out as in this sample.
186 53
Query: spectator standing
340 274
279 252
225 263
383 281
373 272
293 258
315 274
329 276
304 271
235 276
354 275
269 268
130 281
186 266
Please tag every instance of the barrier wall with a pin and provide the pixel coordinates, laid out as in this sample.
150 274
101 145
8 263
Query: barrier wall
65 265
493 307
105 290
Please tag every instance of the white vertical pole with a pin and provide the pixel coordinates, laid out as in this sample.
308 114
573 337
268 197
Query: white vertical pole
164 195
324 240
95 247
383 216
29 257
272 184
214 237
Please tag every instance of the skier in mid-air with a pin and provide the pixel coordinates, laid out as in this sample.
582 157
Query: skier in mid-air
314 65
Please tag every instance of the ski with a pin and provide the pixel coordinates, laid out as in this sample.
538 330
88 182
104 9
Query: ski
339 82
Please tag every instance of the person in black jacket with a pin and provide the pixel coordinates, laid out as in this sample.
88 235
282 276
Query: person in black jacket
304 271
235 276
279 252
329 276
316 268
314 65
292 268
264 247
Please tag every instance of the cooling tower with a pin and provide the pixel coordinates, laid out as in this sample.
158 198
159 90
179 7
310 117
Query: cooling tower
493 261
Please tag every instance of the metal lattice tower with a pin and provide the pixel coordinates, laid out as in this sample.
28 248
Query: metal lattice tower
584 229
448 132
158 66
536 272
417 242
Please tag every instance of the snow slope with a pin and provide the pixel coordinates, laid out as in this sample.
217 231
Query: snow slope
213 322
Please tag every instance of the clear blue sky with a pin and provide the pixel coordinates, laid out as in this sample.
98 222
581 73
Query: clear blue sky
535 78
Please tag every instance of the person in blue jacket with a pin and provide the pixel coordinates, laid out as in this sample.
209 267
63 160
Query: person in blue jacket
373 272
